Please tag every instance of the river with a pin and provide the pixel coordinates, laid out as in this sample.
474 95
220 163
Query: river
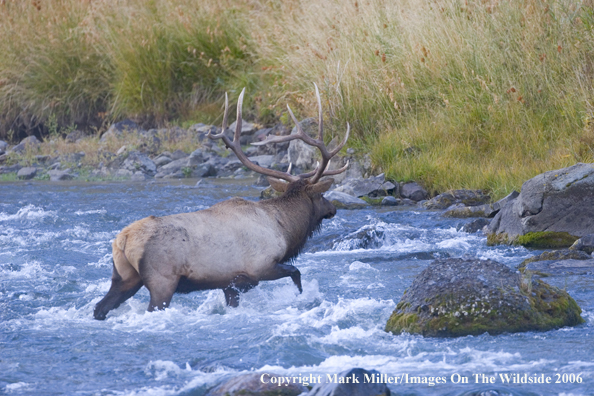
55 265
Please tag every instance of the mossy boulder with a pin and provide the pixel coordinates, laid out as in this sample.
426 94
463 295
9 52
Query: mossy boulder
553 210
459 297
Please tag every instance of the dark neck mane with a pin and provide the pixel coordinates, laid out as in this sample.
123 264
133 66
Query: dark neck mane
295 213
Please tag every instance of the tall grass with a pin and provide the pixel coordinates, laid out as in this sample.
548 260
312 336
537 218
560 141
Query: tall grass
88 60
452 93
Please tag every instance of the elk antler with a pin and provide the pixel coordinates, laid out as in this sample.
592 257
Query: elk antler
320 170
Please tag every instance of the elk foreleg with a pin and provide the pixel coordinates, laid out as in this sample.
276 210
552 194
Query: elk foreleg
284 270
120 290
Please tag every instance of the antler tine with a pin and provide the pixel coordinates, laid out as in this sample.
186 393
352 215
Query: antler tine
238 120
236 147
225 114
320 117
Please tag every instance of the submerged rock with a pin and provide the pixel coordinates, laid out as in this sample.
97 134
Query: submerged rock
458 297
252 385
553 209
476 225
559 262
353 382
560 267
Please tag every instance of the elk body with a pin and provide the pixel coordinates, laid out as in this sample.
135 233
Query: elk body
232 245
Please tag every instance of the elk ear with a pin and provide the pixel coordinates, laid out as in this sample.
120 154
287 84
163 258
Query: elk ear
319 187
277 184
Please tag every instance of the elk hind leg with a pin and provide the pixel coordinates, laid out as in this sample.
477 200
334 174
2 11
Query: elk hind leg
123 286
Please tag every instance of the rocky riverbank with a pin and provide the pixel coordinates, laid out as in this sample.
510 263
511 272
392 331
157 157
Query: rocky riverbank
127 152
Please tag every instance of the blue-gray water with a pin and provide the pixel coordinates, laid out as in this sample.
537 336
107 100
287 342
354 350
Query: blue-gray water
55 265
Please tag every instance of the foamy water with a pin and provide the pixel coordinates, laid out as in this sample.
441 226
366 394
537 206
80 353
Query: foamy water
55 265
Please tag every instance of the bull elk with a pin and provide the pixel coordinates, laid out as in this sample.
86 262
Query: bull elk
232 245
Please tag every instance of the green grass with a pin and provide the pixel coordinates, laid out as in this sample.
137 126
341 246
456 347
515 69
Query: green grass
453 94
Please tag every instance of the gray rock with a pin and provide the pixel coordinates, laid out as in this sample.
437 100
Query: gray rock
59 175
162 160
27 173
262 134
73 158
3 146
391 201
561 267
252 385
247 128
504 201
459 297
232 166
558 262
30 142
116 130
367 237
196 157
264 161
353 382
414 191
262 181
453 197
137 161
178 154
372 187
203 129
9 168
302 156
139 176
476 225
460 211
74 136
585 243
3 157
344 201
42 158
558 202
172 169
123 174
204 170
485 210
